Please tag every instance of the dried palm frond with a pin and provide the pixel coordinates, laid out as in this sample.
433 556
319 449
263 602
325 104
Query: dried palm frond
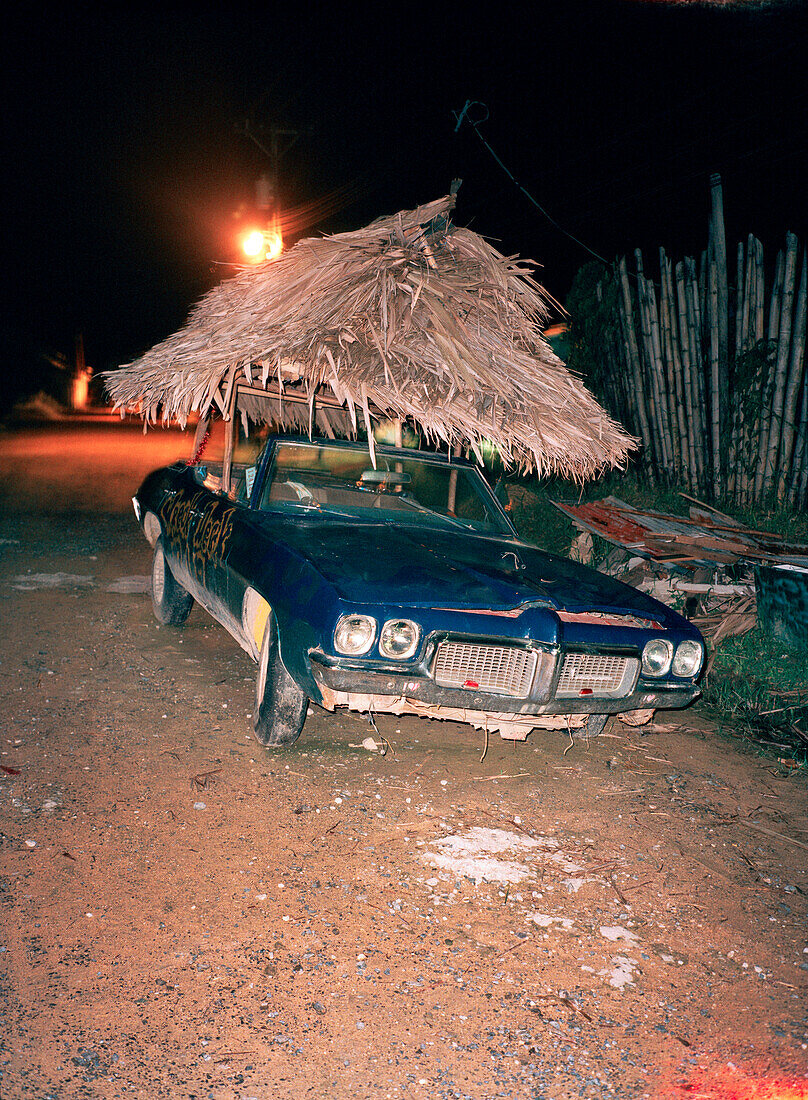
410 318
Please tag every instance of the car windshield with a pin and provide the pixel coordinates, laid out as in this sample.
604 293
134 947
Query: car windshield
327 480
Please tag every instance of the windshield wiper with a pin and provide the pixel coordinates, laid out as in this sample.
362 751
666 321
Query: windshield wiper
438 515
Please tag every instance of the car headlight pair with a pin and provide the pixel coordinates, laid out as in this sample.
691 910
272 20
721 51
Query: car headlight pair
659 658
355 634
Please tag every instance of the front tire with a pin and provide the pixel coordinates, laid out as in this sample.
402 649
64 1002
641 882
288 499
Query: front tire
280 705
170 602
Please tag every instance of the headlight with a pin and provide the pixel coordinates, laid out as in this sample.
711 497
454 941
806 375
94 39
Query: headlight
687 661
657 657
399 639
354 635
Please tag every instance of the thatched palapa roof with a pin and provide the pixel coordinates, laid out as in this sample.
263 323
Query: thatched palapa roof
410 318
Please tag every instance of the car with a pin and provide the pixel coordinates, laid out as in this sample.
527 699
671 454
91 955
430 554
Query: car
391 579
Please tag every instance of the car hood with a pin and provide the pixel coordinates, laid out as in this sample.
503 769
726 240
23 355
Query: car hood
415 566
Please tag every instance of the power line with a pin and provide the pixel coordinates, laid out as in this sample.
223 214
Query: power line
463 117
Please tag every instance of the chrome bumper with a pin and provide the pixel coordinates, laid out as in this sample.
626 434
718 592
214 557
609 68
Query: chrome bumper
332 674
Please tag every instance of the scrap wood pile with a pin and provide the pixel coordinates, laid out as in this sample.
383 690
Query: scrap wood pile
703 563
411 318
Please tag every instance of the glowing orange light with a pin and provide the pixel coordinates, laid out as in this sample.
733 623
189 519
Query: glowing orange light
274 245
273 238
263 244
253 245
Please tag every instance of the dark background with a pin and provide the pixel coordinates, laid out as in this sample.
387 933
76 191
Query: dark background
127 178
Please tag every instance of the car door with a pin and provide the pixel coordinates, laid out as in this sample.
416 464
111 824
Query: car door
178 514
212 526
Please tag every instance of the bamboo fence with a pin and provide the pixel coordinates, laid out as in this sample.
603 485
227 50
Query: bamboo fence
707 367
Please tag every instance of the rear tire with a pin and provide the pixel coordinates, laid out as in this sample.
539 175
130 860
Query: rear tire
280 705
595 724
170 602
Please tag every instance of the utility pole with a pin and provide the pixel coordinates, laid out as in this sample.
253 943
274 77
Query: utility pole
275 142
280 141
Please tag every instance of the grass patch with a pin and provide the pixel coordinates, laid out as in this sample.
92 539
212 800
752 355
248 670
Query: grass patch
536 519
759 690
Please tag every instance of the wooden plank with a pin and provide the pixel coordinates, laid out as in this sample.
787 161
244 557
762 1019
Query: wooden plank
708 508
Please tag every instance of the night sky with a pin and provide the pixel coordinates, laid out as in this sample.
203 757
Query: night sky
128 177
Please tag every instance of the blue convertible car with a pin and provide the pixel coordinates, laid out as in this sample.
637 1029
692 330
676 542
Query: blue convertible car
395 582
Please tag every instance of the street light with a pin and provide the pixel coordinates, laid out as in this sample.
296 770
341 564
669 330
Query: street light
253 245
263 244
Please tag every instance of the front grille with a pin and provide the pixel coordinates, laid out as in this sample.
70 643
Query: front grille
499 669
596 674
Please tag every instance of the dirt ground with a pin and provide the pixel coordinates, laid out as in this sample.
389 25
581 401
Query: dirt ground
185 914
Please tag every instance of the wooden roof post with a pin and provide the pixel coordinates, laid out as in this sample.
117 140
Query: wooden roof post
455 451
229 438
